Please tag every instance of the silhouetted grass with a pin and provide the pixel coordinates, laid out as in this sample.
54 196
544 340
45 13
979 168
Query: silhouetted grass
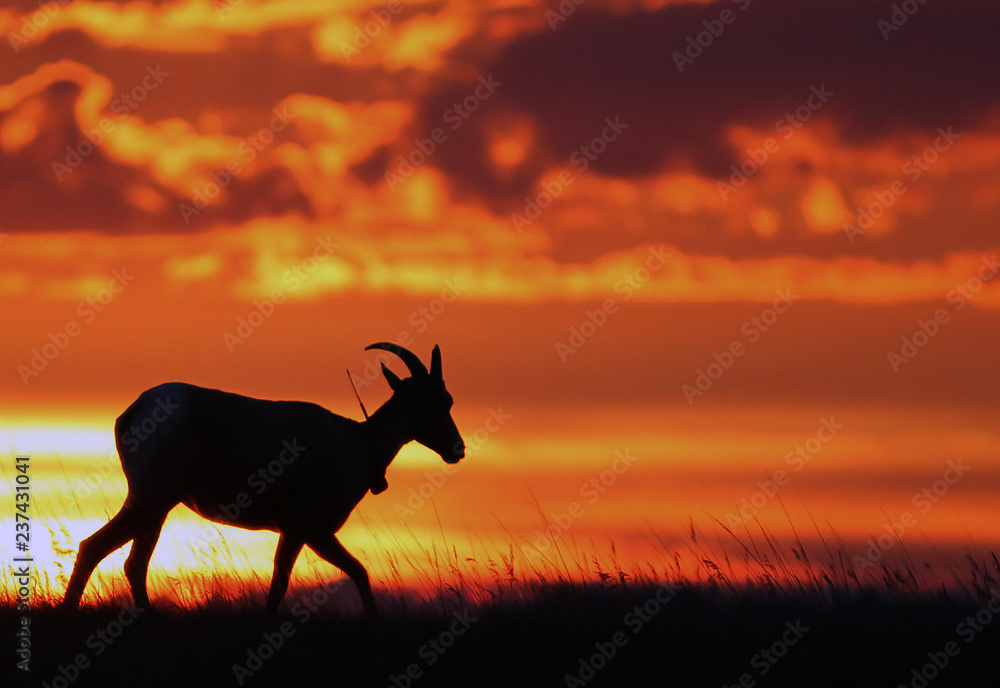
511 620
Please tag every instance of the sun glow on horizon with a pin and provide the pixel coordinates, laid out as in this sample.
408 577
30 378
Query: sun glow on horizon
581 498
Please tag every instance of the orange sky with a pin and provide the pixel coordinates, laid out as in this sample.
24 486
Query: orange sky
694 259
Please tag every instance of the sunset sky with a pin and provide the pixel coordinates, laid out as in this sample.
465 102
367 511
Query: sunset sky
701 233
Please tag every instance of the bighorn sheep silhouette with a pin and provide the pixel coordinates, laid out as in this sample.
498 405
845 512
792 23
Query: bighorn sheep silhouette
203 448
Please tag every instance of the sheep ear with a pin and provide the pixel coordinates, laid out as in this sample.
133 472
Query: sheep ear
436 363
391 377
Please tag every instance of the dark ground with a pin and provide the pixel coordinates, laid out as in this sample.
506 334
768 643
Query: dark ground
691 636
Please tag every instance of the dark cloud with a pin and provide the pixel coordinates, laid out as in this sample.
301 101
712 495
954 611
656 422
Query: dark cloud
61 181
933 72
251 72
372 169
